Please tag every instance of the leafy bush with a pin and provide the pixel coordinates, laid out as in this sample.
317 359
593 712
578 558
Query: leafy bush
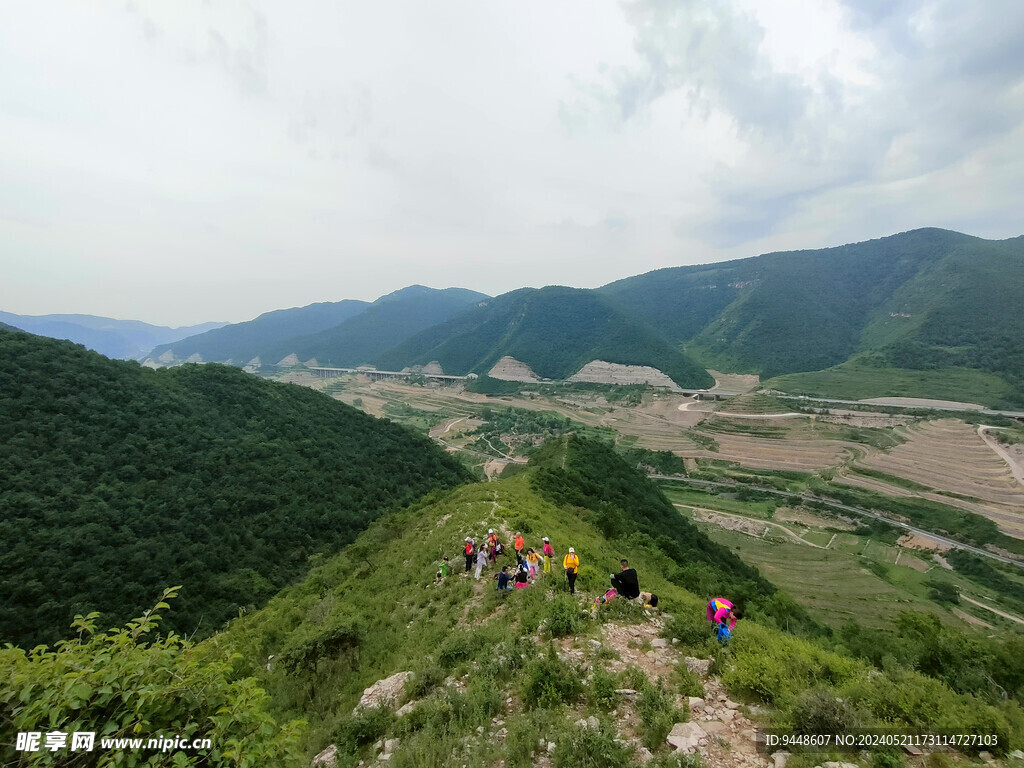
591 748
127 683
548 682
658 712
690 627
687 682
564 616
818 710
364 728
602 690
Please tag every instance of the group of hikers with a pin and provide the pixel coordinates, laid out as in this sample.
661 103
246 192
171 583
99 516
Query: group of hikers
530 564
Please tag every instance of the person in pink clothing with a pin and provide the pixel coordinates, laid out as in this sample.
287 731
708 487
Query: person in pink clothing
722 611
549 553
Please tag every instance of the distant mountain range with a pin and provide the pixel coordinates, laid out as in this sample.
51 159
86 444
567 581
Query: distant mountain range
344 333
924 303
119 339
555 331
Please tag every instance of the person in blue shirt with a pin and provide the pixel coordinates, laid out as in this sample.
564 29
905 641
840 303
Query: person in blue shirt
504 580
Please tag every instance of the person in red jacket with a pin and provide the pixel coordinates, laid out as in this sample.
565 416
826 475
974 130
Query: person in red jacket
468 551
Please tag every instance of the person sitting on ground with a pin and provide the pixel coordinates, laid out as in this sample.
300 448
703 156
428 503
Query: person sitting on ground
571 564
549 554
504 579
649 599
722 612
625 582
522 576
442 570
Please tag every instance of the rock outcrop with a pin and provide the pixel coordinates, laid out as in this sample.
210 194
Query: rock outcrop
601 372
289 361
510 369
433 367
384 693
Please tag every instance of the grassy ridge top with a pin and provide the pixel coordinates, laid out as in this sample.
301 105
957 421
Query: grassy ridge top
117 481
554 330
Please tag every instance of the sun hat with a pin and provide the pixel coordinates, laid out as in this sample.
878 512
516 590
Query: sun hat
572 551
545 538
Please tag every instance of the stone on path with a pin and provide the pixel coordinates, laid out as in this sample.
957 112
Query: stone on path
685 737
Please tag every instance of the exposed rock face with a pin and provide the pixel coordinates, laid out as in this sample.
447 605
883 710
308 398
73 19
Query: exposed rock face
166 357
292 359
326 759
312 363
600 372
383 693
433 367
510 369
254 363
195 358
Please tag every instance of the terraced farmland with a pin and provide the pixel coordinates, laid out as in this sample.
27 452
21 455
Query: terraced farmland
949 455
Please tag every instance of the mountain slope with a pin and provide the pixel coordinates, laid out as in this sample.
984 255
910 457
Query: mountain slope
387 322
493 678
117 481
241 342
118 339
926 298
554 330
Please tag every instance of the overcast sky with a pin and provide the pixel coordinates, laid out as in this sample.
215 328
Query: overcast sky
178 162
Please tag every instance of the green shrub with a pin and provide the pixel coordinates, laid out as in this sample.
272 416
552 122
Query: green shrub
425 681
591 748
549 682
128 682
520 523
459 647
687 682
364 728
657 710
818 710
692 629
521 742
565 617
602 690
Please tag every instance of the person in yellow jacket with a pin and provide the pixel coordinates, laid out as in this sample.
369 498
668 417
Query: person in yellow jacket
571 563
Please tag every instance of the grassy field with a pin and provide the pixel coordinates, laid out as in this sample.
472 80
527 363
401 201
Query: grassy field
851 381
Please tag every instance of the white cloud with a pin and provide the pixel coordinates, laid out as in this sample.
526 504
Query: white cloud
192 161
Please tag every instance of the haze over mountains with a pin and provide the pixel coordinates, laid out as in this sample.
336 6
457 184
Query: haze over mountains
925 300
119 339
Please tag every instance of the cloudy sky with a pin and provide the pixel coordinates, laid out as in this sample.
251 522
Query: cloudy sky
178 162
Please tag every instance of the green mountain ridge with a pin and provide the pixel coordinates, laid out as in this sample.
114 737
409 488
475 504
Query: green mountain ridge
117 481
554 330
381 326
241 342
928 299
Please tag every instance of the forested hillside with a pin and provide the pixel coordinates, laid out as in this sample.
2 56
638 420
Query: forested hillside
927 299
117 481
554 330
387 322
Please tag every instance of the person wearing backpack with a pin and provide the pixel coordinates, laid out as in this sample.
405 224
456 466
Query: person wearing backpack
571 563
549 554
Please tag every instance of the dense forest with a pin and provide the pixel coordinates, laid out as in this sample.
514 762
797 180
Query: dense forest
554 330
117 481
